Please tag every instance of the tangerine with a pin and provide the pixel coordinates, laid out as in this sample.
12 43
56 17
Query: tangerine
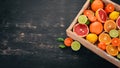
109 25
109 8
96 4
104 37
115 41
112 50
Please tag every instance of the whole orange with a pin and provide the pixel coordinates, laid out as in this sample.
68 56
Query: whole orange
96 5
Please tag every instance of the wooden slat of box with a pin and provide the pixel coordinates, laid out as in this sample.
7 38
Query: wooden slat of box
87 44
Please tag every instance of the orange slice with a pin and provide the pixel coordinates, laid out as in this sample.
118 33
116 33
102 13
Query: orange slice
112 50
109 25
119 48
104 37
115 41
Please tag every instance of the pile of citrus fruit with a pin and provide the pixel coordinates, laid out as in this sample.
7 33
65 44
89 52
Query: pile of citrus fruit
100 25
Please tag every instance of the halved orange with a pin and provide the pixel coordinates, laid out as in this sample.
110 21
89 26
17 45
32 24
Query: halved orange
104 37
109 25
112 50
115 41
119 48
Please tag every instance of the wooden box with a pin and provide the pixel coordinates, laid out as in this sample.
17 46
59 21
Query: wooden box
87 44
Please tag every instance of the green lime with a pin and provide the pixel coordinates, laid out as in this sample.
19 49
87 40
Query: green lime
119 33
118 56
75 46
82 19
114 33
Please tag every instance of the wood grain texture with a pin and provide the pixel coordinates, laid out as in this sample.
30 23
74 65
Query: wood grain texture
28 33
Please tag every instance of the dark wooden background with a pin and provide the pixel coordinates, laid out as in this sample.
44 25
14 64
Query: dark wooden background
28 33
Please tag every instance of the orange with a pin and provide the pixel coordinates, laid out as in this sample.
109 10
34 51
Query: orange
68 41
92 18
115 41
109 25
88 12
96 27
102 45
104 37
112 50
96 5
119 48
109 8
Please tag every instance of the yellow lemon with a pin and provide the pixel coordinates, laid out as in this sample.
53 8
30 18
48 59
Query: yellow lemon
114 15
92 37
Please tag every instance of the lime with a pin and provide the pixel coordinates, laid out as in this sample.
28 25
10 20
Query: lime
92 38
118 56
82 19
119 33
114 33
114 15
75 45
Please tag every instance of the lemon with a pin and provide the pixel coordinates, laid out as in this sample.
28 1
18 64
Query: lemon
114 15
92 38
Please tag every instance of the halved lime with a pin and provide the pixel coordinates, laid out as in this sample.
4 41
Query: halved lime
118 56
119 33
114 33
75 46
82 19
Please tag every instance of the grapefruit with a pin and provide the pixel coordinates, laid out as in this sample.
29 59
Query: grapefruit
96 4
101 15
109 25
96 27
81 29
118 22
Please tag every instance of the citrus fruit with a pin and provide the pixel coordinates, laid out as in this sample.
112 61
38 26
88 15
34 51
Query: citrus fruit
104 37
96 4
115 41
96 27
81 29
109 8
92 18
101 15
68 41
82 19
114 15
119 34
113 33
118 56
102 45
109 25
92 37
118 22
112 50
119 48
75 46
88 12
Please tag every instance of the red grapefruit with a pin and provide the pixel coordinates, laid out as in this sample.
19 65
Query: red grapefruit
118 22
101 15
81 29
